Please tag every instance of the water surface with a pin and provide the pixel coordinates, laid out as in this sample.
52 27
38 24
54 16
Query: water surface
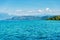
29 30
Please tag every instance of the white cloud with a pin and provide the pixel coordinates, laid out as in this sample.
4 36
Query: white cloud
30 12
18 10
47 9
40 11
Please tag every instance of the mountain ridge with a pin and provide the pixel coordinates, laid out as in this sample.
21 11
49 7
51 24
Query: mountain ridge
29 17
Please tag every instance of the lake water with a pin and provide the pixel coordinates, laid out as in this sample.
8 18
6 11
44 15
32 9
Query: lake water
29 30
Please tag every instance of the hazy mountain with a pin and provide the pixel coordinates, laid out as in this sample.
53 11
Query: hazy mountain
4 16
25 18
47 16
29 17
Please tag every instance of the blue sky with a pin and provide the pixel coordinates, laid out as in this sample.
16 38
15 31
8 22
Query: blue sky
30 7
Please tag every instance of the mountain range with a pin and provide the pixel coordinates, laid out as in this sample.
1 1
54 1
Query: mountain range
29 17
5 16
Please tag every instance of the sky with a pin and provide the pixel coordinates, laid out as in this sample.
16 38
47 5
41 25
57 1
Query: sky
30 7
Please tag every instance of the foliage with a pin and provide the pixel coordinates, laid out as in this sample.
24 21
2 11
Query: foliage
54 18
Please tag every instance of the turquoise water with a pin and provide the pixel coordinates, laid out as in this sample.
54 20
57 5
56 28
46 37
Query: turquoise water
29 30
